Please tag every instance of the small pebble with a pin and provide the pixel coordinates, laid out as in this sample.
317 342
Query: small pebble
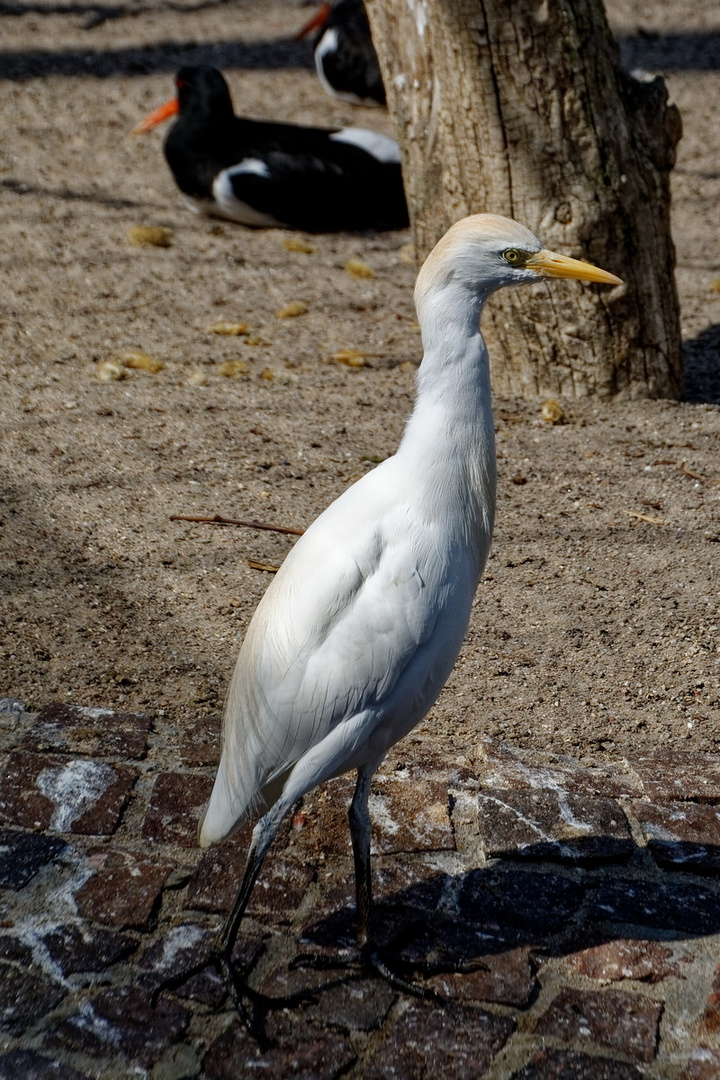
110 371
196 378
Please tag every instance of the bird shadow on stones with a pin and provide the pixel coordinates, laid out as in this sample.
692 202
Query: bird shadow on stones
167 56
701 357
483 935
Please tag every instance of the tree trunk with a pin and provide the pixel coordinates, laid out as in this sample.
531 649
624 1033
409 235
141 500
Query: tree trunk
520 107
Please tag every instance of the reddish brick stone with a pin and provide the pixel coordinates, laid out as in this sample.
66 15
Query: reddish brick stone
124 888
95 732
624 958
278 891
320 826
552 824
626 1023
23 854
29 1065
182 950
74 948
703 1064
217 876
674 775
176 804
301 977
506 768
505 978
122 1020
569 1065
410 813
356 1005
455 1043
710 1019
683 835
65 795
24 998
200 742
299 1049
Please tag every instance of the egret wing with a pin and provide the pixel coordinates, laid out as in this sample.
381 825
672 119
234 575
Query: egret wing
352 609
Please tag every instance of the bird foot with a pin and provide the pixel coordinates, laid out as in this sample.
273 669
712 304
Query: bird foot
363 960
251 1006
375 963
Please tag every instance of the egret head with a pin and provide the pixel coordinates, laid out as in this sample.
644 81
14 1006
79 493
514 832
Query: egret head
487 252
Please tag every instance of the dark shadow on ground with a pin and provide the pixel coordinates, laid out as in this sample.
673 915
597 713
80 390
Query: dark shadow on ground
553 911
673 52
165 56
96 14
701 357
20 187
692 51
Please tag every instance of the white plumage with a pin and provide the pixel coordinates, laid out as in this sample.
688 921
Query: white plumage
360 628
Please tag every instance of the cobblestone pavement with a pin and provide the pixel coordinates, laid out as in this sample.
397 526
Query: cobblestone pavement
569 917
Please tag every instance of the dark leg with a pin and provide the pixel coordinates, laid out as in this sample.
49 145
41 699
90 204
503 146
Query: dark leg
359 817
360 833
262 837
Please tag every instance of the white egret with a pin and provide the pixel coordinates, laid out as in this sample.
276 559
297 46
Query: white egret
355 637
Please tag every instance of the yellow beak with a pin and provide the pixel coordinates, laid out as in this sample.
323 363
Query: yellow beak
554 265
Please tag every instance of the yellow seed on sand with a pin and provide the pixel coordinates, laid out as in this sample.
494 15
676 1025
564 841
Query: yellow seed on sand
350 357
232 369
268 374
150 236
229 329
295 307
552 412
110 371
359 269
294 243
140 361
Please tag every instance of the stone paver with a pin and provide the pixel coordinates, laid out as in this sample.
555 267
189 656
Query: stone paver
568 918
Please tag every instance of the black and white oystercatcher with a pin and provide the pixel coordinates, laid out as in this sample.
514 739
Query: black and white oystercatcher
266 174
345 56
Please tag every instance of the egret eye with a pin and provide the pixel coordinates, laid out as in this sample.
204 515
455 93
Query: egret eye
513 256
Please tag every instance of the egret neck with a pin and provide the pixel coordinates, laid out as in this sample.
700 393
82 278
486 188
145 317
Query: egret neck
449 442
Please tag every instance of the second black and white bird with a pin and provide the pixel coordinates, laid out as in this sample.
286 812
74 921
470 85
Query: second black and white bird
268 174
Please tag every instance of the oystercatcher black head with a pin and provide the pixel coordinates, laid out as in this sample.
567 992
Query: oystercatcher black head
345 56
266 174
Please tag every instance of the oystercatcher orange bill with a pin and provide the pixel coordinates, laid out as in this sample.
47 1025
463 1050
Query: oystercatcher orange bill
170 108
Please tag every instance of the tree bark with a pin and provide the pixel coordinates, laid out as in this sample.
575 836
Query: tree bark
521 107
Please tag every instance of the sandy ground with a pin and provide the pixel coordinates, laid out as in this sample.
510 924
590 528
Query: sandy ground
596 627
